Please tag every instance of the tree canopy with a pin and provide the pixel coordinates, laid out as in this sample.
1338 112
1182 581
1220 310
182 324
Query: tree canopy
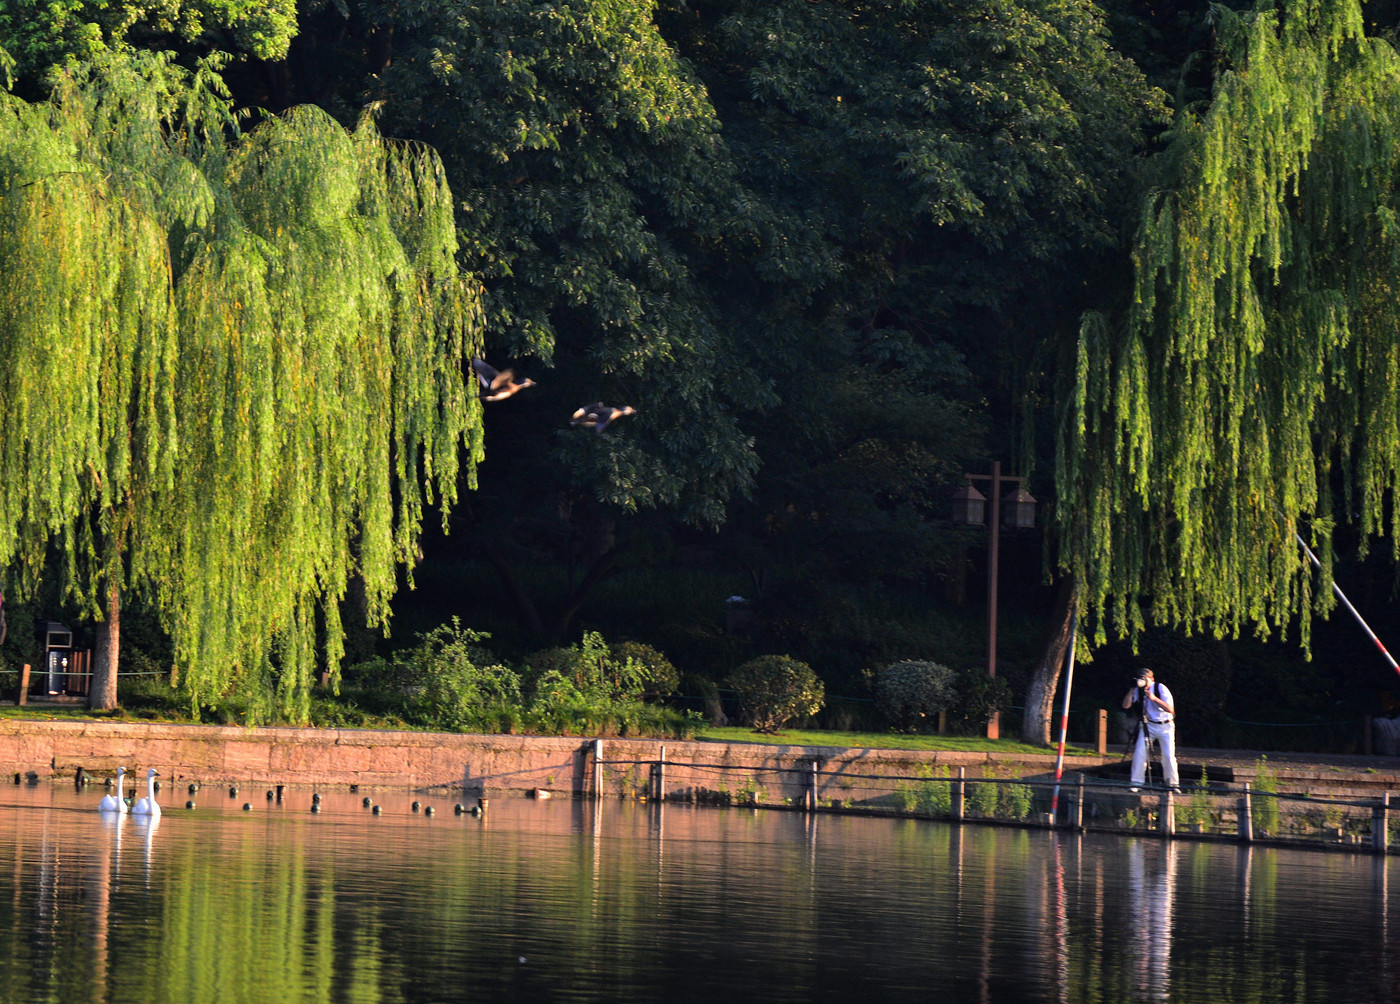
231 364
1250 389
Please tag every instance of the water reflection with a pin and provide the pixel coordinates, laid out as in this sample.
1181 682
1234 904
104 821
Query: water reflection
560 900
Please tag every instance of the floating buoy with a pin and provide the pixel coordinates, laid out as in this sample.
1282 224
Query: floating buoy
233 793
315 796
269 795
354 787
247 806
366 802
106 782
476 810
428 811
315 806
458 809
415 806
189 804
157 786
193 788
16 777
81 777
375 810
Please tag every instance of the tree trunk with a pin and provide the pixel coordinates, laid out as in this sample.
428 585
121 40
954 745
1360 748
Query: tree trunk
102 693
1040 694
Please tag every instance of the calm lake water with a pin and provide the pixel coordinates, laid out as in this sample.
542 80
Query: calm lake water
558 900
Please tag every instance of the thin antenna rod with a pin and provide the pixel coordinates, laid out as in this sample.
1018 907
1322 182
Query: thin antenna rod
1347 603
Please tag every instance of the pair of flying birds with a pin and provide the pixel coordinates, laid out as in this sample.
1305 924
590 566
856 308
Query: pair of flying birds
497 385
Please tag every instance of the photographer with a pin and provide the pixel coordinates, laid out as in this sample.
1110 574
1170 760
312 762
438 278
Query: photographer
1157 715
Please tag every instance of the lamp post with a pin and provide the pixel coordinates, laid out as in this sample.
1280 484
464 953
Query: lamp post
969 506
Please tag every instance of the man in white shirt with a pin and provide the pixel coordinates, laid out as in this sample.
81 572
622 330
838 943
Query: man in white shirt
1154 704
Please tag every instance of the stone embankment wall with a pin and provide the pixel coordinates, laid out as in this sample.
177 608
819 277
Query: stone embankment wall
483 764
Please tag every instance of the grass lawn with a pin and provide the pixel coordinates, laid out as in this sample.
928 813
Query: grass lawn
876 740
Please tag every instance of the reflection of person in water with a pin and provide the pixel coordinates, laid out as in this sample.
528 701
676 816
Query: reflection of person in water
1151 884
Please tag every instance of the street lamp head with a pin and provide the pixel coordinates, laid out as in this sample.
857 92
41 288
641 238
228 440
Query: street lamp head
969 506
1018 510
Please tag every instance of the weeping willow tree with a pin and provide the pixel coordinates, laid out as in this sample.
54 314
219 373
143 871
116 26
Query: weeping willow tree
1252 388
230 368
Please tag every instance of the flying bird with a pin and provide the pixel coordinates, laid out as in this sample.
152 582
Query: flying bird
598 416
497 385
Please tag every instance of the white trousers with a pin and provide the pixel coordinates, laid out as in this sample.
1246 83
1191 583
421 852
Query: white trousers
1165 734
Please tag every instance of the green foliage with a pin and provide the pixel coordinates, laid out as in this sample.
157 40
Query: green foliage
66 32
1250 390
451 684
912 693
592 688
660 678
258 340
1265 801
932 796
1198 807
979 697
774 689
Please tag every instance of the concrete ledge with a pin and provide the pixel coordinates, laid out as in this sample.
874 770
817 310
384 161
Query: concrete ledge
298 756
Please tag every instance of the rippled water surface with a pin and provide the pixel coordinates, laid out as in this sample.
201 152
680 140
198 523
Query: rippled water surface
571 901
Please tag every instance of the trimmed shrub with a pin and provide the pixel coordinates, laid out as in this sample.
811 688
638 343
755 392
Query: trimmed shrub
450 684
774 689
979 697
912 693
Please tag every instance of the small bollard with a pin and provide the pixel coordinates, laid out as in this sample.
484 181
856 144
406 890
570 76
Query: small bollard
1167 822
22 697
279 792
958 795
1246 818
1101 744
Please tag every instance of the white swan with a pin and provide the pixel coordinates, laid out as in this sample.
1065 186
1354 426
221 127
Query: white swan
114 803
148 806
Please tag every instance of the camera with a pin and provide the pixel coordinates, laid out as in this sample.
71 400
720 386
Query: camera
1141 681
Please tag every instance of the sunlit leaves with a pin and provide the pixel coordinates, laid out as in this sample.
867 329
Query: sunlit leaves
1253 384
240 357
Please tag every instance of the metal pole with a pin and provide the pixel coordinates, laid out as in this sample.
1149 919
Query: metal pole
813 793
1064 716
1246 818
1079 805
597 768
1347 603
1380 824
661 776
958 795
994 725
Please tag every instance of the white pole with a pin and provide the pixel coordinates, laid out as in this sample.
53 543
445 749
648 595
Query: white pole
1064 716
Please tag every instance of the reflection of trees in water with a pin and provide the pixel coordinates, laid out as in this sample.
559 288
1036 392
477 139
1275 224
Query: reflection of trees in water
604 901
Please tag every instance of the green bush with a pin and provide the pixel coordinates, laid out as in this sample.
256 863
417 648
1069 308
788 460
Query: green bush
1265 808
930 797
774 689
598 689
979 697
912 693
451 685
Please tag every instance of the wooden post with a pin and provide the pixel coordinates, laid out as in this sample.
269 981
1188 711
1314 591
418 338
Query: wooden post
1079 805
958 795
661 776
812 795
1101 745
1380 824
1167 824
598 786
1246 818
22 698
